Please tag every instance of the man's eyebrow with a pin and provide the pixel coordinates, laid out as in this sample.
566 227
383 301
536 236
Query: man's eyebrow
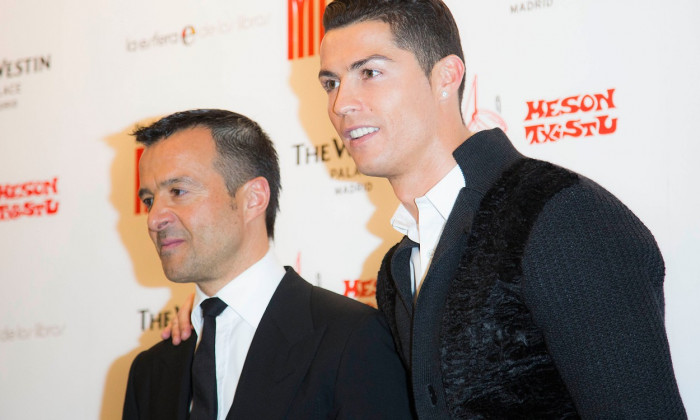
168 182
326 73
359 63
356 65
143 192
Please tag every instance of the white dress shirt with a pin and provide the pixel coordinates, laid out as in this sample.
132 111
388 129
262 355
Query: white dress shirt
247 297
433 210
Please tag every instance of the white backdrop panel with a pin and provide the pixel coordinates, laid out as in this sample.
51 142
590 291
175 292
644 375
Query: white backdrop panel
84 292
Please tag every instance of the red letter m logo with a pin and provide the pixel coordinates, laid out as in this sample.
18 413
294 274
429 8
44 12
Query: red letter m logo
305 27
138 206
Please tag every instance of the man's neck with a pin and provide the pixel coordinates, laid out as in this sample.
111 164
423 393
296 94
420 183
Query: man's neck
417 182
248 256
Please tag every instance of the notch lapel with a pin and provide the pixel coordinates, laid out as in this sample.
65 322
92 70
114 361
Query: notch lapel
280 354
171 375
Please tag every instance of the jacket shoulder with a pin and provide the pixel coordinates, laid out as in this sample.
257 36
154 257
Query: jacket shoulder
331 306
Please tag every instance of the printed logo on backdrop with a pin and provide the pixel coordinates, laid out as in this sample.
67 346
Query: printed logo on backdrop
530 6
361 290
9 334
156 320
15 70
36 198
337 160
188 35
571 117
304 27
477 118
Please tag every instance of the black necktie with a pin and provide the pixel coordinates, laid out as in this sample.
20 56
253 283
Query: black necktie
204 405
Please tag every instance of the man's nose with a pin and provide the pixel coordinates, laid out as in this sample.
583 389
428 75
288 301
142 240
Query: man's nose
159 216
346 99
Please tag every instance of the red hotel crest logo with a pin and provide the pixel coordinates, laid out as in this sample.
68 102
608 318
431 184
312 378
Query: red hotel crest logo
556 119
304 27
36 198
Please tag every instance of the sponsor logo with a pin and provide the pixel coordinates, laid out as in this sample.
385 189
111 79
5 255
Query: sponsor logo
321 153
364 291
304 27
481 119
13 69
575 116
530 6
24 66
339 163
156 320
37 331
32 198
189 35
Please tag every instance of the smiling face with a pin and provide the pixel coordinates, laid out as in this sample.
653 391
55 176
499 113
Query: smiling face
196 226
379 100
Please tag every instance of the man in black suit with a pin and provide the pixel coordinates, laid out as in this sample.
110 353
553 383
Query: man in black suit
283 348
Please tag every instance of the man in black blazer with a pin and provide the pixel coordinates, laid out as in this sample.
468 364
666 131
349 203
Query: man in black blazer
520 289
210 181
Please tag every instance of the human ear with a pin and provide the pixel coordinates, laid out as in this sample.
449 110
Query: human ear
446 77
256 197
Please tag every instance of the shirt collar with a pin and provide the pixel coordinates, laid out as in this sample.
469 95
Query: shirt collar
442 197
444 194
248 294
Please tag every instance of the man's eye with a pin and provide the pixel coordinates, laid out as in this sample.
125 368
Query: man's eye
177 192
330 84
148 202
369 73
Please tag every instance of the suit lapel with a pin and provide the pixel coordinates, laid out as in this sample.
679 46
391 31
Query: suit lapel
401 272
172 373
281 352
482 159
458 223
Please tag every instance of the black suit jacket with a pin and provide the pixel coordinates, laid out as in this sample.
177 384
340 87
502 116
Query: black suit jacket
315 355
590 280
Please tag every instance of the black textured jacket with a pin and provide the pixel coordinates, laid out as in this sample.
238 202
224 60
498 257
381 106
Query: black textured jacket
544 299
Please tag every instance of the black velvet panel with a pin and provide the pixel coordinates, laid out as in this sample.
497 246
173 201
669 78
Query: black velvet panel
495 363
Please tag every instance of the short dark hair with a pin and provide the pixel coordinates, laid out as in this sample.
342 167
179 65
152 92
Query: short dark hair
424 27
244 149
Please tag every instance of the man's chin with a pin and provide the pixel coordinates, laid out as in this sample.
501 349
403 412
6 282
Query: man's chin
177 276
370 170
